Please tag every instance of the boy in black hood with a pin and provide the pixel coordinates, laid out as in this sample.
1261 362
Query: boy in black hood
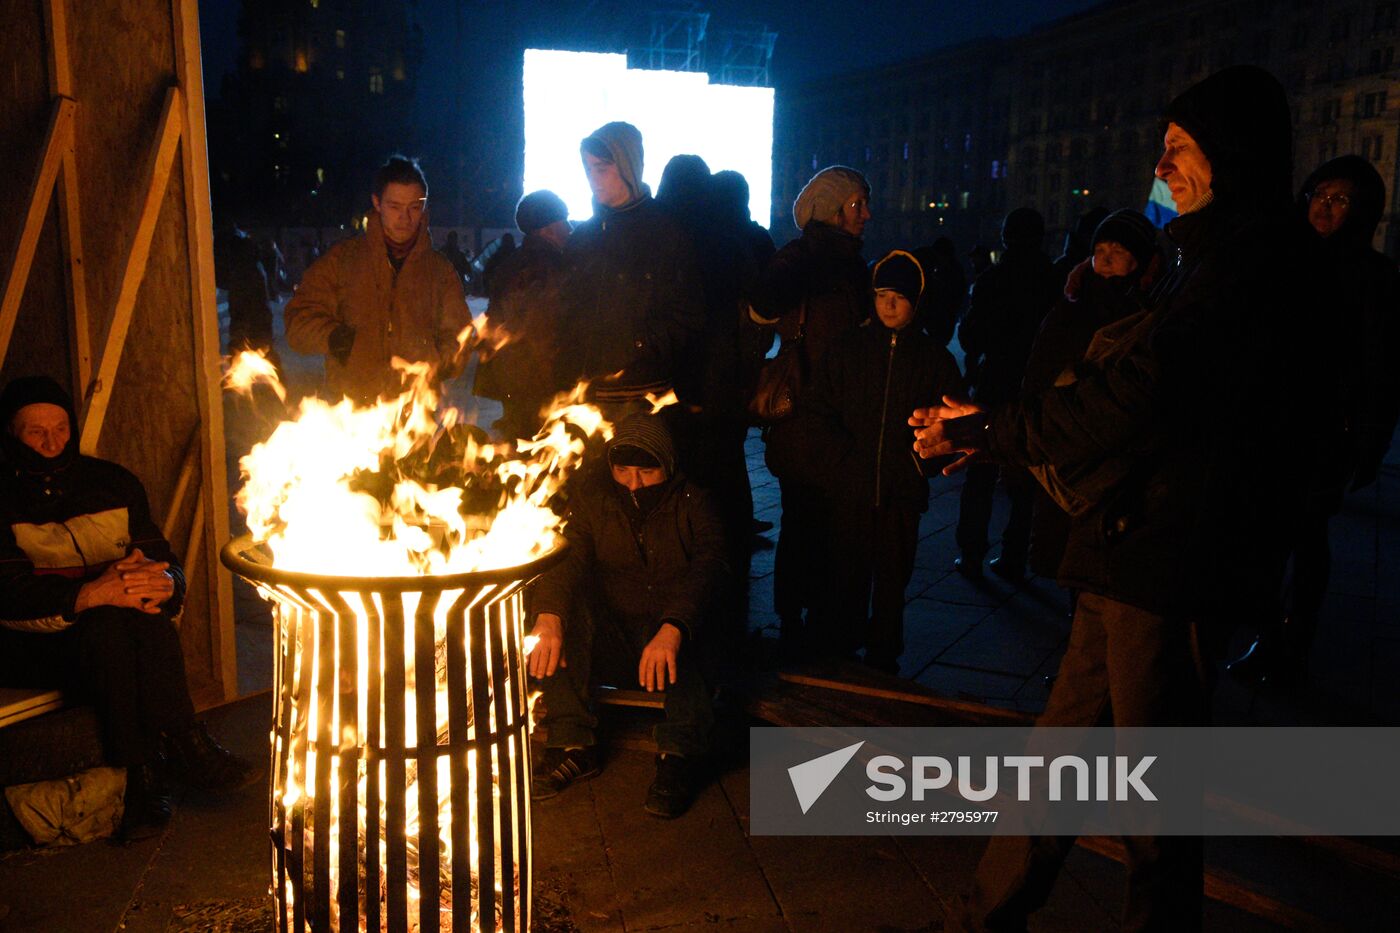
645 561
878 489
90 590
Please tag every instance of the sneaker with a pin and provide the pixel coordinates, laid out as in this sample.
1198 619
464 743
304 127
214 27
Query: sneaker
146 807
204 764
670 793
562 767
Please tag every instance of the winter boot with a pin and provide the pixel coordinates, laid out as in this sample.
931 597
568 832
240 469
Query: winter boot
204 764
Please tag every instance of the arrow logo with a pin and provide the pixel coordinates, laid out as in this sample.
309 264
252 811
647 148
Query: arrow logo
811 778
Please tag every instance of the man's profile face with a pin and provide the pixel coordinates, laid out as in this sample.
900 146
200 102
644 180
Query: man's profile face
43 428
854 212
635 477
400 209
1329 204
1184 167
609 189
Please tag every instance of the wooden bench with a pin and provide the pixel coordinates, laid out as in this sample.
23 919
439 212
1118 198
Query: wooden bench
19 703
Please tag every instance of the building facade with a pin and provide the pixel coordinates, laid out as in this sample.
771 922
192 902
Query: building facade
1065 117
322 93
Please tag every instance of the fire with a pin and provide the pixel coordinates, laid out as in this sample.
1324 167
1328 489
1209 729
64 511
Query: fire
400 487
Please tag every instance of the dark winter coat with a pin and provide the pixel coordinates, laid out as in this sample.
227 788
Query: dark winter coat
1009 301
1188 437
665 565
822 270
633 301
524 300
863 393
821 274
1365 308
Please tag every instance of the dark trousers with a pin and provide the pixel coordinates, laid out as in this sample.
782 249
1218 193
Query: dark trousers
800 565
602 649
871 578
127 664
975 511
1124 666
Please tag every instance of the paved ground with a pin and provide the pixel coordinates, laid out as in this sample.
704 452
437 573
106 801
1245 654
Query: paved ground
603 864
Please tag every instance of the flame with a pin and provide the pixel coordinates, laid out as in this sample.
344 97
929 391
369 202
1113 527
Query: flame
402 487
250 367
659 402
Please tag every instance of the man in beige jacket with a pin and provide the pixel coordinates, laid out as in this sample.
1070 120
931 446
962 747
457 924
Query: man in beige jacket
381 295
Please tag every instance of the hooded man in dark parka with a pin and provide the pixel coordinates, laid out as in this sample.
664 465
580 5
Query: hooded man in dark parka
1180 449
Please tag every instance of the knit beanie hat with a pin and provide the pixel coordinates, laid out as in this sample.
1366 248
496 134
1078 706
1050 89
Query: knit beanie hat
900 272
621 144
34 390
539 209
1131 230
824 195
643 440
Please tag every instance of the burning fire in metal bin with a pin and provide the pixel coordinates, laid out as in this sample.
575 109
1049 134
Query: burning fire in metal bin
395 542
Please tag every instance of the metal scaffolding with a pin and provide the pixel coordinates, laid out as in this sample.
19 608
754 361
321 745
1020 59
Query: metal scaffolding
746 52
677 40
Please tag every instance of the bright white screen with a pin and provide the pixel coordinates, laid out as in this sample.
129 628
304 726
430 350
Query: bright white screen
570 94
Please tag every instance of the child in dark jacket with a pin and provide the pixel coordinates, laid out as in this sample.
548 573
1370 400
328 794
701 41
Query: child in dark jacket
863 390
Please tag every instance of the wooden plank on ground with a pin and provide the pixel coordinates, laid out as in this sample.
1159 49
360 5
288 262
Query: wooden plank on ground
855 678
1226 888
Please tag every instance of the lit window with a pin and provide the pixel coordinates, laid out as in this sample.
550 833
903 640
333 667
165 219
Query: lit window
340 38
376 83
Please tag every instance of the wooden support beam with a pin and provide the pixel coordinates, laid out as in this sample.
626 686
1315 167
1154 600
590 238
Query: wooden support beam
199 227
159 161
71 240
182 485
56 25
57 138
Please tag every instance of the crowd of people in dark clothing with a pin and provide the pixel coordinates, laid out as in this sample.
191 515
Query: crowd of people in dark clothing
1170 423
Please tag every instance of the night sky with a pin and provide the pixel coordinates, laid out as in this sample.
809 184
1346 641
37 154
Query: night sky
815 37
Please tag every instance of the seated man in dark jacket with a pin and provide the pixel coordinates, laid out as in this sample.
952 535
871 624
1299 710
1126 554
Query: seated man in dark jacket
646 556
90 588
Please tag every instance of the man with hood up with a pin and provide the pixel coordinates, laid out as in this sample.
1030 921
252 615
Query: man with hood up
1179 450
644 566
633 301
88 591
1342 200
386 293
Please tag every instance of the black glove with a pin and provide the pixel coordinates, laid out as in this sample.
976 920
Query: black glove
340 342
